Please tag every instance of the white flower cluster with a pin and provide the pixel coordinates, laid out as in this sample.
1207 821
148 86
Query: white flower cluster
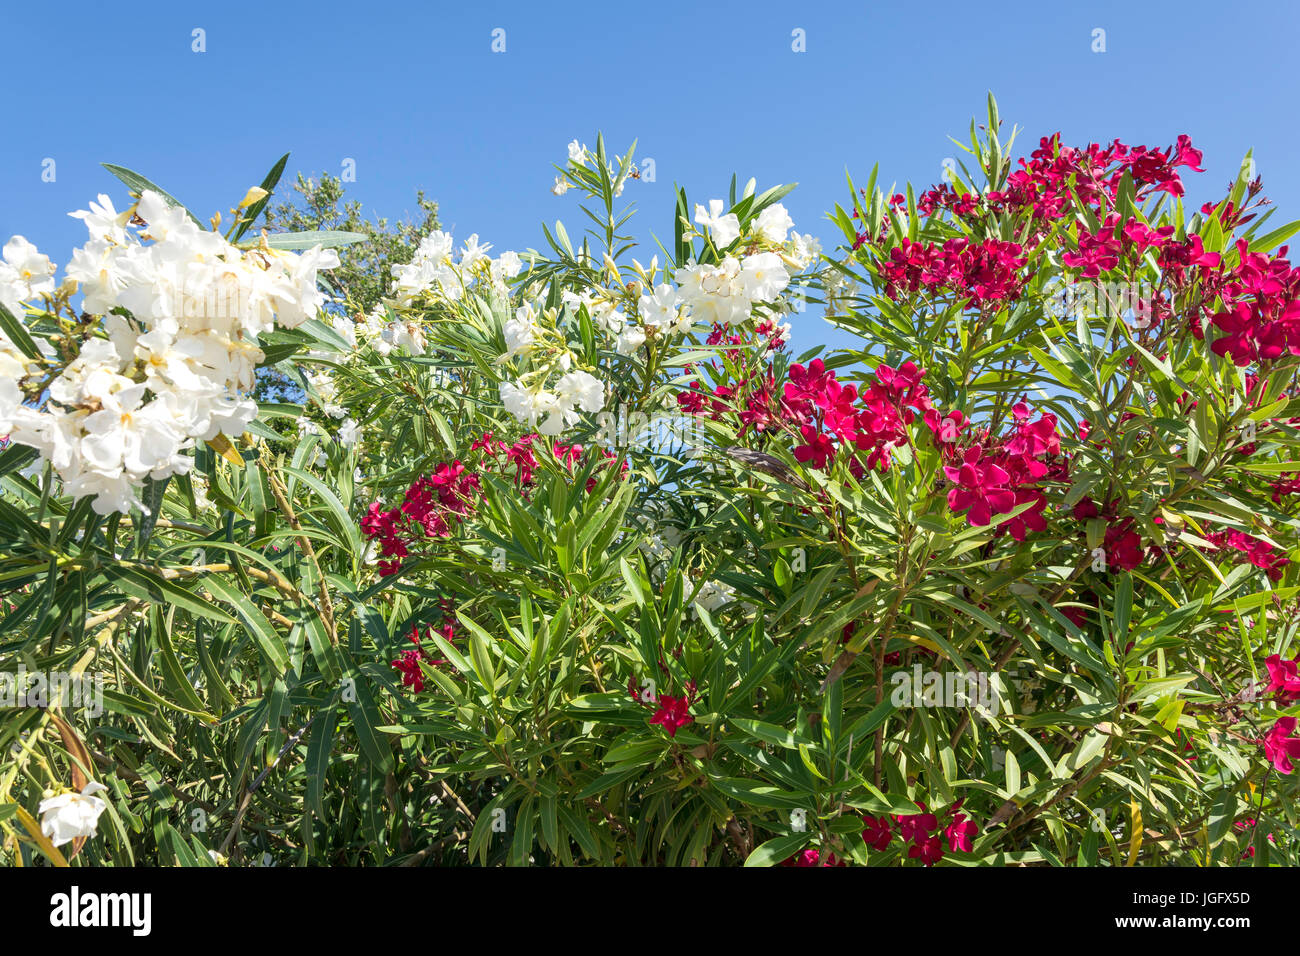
726 293
177 371
552 411
435 269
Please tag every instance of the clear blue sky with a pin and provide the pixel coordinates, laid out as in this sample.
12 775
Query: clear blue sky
414 94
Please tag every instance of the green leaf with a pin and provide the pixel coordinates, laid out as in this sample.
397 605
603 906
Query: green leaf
138 184
263 634
149 587
778 850
16 332
308 239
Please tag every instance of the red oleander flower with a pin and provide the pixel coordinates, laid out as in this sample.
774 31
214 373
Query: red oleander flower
981 488
878 832
916 826
1283 679
673 713
929 850
1098 252
1123 546
960 833
409 665
1280 748
817 449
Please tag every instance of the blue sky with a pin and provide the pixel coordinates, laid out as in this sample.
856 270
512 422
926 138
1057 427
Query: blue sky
416 96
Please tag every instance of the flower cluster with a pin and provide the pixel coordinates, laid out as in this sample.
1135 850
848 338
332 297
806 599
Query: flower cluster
523 455
995 480
1261 316
430 506
1045 184
409 663
175 360
551 411
1257 551
438 271
875 422
978 272
921 831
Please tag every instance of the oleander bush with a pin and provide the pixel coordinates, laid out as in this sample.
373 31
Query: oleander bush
562 557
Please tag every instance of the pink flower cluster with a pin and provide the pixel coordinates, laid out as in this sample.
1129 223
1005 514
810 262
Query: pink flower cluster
995 480
921 830
523 455
979 272
1257 551
1261 316
826 411
408 664
1121 543
1044 182
430 505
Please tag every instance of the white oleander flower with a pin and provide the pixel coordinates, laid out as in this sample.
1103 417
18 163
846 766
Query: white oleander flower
659 309
70 816
715 294
804 250
725 229
582 389
764 276
527 404
521 332
713 595
630 339
24 274
508 264
774 223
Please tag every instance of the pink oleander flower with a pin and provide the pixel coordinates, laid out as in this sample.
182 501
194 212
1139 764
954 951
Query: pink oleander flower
673 713
981 488
878 832
1280 748
1283 679
960 833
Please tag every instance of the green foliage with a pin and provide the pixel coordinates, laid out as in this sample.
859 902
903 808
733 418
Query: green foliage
246 635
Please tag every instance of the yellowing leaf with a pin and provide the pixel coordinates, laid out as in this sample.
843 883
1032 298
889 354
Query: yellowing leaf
40 839
1135 824
223 447
254 194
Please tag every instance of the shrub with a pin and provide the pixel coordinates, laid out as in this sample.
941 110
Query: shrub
574 562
